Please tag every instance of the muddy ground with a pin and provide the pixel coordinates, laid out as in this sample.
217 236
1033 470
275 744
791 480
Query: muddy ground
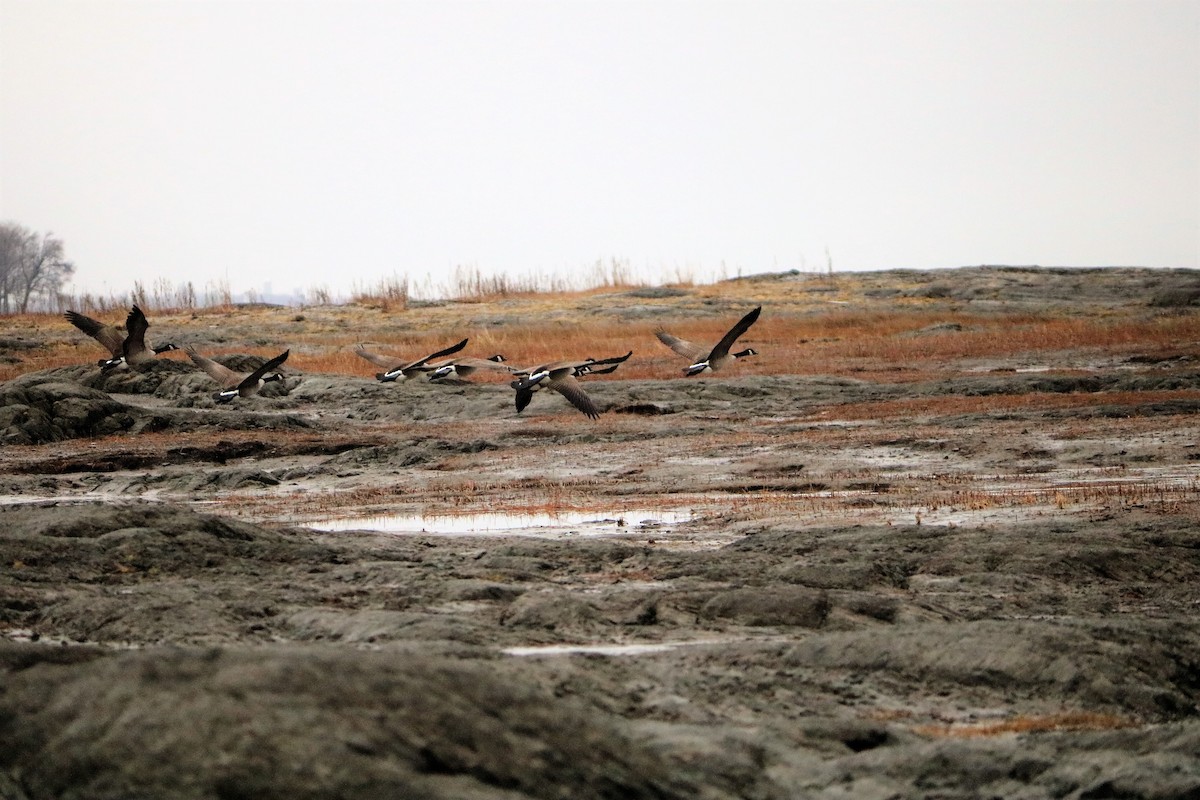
985 584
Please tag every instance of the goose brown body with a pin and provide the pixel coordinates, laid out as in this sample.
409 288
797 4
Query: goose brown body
236 384
124 348
396 369
466 366
561 376
719 356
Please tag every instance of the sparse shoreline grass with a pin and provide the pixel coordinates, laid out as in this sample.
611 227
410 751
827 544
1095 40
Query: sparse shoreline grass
466 284
885 345
1027 724
884 327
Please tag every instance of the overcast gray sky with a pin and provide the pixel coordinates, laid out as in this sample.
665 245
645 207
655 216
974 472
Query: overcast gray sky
337 143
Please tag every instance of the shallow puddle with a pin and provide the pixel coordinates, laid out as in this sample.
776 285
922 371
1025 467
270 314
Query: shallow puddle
592 649
563 523
608 649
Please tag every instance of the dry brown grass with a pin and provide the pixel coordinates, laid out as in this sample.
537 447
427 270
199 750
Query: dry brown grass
950 405
899 341
901 336
881 346
1046 723
845 342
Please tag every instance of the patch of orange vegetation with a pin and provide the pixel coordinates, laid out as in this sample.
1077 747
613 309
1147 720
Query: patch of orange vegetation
794 336
911 408
1048 723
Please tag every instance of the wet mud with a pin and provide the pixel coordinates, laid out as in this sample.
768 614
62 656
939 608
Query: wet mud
768 586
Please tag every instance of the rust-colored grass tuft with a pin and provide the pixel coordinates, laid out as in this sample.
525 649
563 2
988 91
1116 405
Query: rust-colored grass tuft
976 404
1047 723
898 341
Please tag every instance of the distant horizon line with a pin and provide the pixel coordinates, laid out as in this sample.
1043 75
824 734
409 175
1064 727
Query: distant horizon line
532 278
399 288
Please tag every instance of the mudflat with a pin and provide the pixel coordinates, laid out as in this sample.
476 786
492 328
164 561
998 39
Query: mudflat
938 539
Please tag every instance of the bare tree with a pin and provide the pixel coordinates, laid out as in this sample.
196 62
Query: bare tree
10 256
31 265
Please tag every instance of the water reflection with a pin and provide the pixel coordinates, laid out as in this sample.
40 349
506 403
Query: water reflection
603 649
585 523
594 649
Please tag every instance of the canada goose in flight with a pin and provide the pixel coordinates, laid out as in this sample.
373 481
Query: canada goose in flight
127 348
394 369
235 384
711 360
464 367
561 377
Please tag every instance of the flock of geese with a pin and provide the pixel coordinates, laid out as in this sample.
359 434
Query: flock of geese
131 348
